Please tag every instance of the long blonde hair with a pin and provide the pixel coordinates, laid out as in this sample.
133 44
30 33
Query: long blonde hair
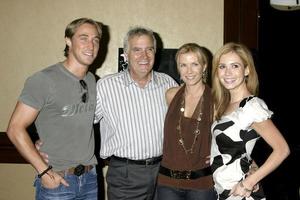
221 95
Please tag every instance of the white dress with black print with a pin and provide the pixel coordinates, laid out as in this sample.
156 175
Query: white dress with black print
232 144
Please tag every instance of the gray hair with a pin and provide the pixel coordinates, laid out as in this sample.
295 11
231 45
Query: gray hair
138 31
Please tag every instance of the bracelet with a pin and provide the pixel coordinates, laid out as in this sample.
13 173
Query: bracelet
244 188
44 172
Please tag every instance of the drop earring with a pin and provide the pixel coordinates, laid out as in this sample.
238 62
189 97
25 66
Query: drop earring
181 81
204 76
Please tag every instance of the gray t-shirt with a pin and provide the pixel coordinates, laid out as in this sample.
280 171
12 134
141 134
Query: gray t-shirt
64 122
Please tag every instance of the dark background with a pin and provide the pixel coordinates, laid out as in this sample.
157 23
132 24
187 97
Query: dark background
277 62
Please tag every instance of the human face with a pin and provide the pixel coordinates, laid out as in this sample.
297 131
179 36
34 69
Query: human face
140 56
231 72
190 69
84 45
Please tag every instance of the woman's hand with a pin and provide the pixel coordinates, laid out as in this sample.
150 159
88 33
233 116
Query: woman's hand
252 170
241 190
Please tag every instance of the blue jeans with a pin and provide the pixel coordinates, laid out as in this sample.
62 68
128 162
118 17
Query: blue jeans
81 188
172 193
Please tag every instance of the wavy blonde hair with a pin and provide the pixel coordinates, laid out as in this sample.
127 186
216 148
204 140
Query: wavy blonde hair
221 95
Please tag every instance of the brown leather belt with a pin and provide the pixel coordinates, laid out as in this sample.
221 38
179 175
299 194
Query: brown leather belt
78 170
186 174
149 161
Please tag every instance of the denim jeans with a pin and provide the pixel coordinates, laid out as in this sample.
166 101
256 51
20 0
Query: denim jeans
81 188
172 193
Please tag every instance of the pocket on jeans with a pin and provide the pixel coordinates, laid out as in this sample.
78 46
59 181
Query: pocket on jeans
58 193
53 189
39 182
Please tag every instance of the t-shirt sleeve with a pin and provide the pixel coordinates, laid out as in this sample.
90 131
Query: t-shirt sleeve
255 110
36 91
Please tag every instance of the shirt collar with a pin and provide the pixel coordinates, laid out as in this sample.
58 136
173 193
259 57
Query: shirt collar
128 80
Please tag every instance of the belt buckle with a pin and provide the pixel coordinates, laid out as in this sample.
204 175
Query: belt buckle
148 161
180 174
188 174
79 170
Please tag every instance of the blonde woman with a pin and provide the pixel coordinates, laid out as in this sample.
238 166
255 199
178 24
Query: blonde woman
184 173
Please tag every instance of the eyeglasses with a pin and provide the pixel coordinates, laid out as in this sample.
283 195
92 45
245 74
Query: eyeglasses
85 95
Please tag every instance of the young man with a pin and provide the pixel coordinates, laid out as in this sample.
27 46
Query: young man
61 100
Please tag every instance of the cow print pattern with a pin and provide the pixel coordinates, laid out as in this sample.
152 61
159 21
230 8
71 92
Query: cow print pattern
232 144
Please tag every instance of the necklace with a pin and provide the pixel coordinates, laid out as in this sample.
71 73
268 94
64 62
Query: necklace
196 132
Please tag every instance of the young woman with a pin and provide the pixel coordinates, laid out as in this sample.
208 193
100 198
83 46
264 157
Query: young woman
241 118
